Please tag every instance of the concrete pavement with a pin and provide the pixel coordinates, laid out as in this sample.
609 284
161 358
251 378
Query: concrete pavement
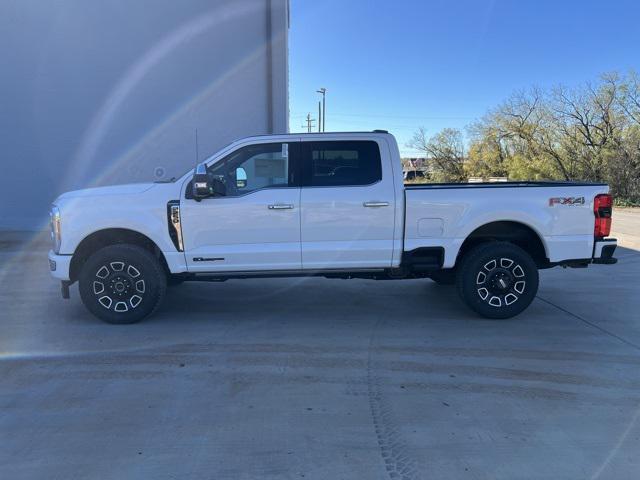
626 227
322 379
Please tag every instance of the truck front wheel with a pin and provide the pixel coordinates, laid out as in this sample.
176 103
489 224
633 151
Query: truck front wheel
497 279
122 283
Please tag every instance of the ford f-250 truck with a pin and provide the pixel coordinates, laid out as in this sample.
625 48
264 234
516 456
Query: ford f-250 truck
332 205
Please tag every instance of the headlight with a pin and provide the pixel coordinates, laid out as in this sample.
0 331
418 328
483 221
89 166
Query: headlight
56 237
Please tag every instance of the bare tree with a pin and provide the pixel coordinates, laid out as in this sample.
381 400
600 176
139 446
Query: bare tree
590 132
629 99
444 153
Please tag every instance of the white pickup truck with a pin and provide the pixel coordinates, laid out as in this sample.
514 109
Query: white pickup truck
332 205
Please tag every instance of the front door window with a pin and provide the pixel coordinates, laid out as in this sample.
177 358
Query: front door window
254 167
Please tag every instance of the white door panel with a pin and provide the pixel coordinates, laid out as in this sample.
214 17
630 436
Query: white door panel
243 233
253 224
346 254
339 231
348 205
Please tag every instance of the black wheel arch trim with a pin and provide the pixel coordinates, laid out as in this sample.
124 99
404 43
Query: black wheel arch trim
111 236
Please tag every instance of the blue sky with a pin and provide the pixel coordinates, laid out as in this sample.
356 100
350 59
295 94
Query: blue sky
403 64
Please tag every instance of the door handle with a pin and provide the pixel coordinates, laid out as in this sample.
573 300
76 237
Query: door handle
280 206
375 204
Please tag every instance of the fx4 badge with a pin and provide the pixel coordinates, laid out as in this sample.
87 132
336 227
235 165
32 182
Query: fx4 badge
566 201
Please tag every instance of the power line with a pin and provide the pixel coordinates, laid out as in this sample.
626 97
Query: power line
375 123
417 117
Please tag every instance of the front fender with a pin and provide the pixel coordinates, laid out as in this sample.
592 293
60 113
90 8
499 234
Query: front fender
81 217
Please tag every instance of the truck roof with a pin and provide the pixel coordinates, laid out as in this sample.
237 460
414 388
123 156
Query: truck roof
314 134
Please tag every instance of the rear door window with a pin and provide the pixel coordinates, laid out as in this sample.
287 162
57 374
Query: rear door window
340 163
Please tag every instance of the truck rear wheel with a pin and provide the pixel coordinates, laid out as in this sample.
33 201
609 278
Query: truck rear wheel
122 283
497 279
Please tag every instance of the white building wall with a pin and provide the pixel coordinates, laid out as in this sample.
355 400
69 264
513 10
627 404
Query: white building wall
111 91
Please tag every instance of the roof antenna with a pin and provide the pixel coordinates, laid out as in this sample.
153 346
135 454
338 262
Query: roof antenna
197 155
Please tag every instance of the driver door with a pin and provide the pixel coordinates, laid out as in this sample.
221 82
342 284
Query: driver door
255 225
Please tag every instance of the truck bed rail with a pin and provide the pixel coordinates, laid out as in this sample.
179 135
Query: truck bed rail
429 186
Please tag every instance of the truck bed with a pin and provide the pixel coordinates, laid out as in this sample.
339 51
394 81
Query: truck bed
444 214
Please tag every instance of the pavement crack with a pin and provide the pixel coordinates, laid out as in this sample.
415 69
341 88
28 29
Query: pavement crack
591 324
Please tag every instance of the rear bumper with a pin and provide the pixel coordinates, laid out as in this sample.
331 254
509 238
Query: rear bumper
59 265
603 251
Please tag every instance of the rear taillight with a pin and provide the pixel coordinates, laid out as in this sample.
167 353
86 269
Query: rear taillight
602 210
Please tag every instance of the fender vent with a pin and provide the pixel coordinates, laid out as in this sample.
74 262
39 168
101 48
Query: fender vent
173 221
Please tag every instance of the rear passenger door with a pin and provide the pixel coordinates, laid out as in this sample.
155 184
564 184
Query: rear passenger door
347 201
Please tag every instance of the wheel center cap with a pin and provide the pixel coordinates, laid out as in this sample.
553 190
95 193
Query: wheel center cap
119 286
500 282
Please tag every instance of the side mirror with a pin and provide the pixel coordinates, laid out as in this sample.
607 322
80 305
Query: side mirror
205 185
201 183
241 177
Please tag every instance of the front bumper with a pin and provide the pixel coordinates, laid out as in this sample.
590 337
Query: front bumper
59 266
603 251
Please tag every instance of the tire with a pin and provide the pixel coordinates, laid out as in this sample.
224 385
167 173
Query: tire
497 280
122 284
444 277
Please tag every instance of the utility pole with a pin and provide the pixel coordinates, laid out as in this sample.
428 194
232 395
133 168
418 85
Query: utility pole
319 117
323 91
309 122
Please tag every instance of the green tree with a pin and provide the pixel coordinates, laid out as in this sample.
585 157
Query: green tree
444 152
590 132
